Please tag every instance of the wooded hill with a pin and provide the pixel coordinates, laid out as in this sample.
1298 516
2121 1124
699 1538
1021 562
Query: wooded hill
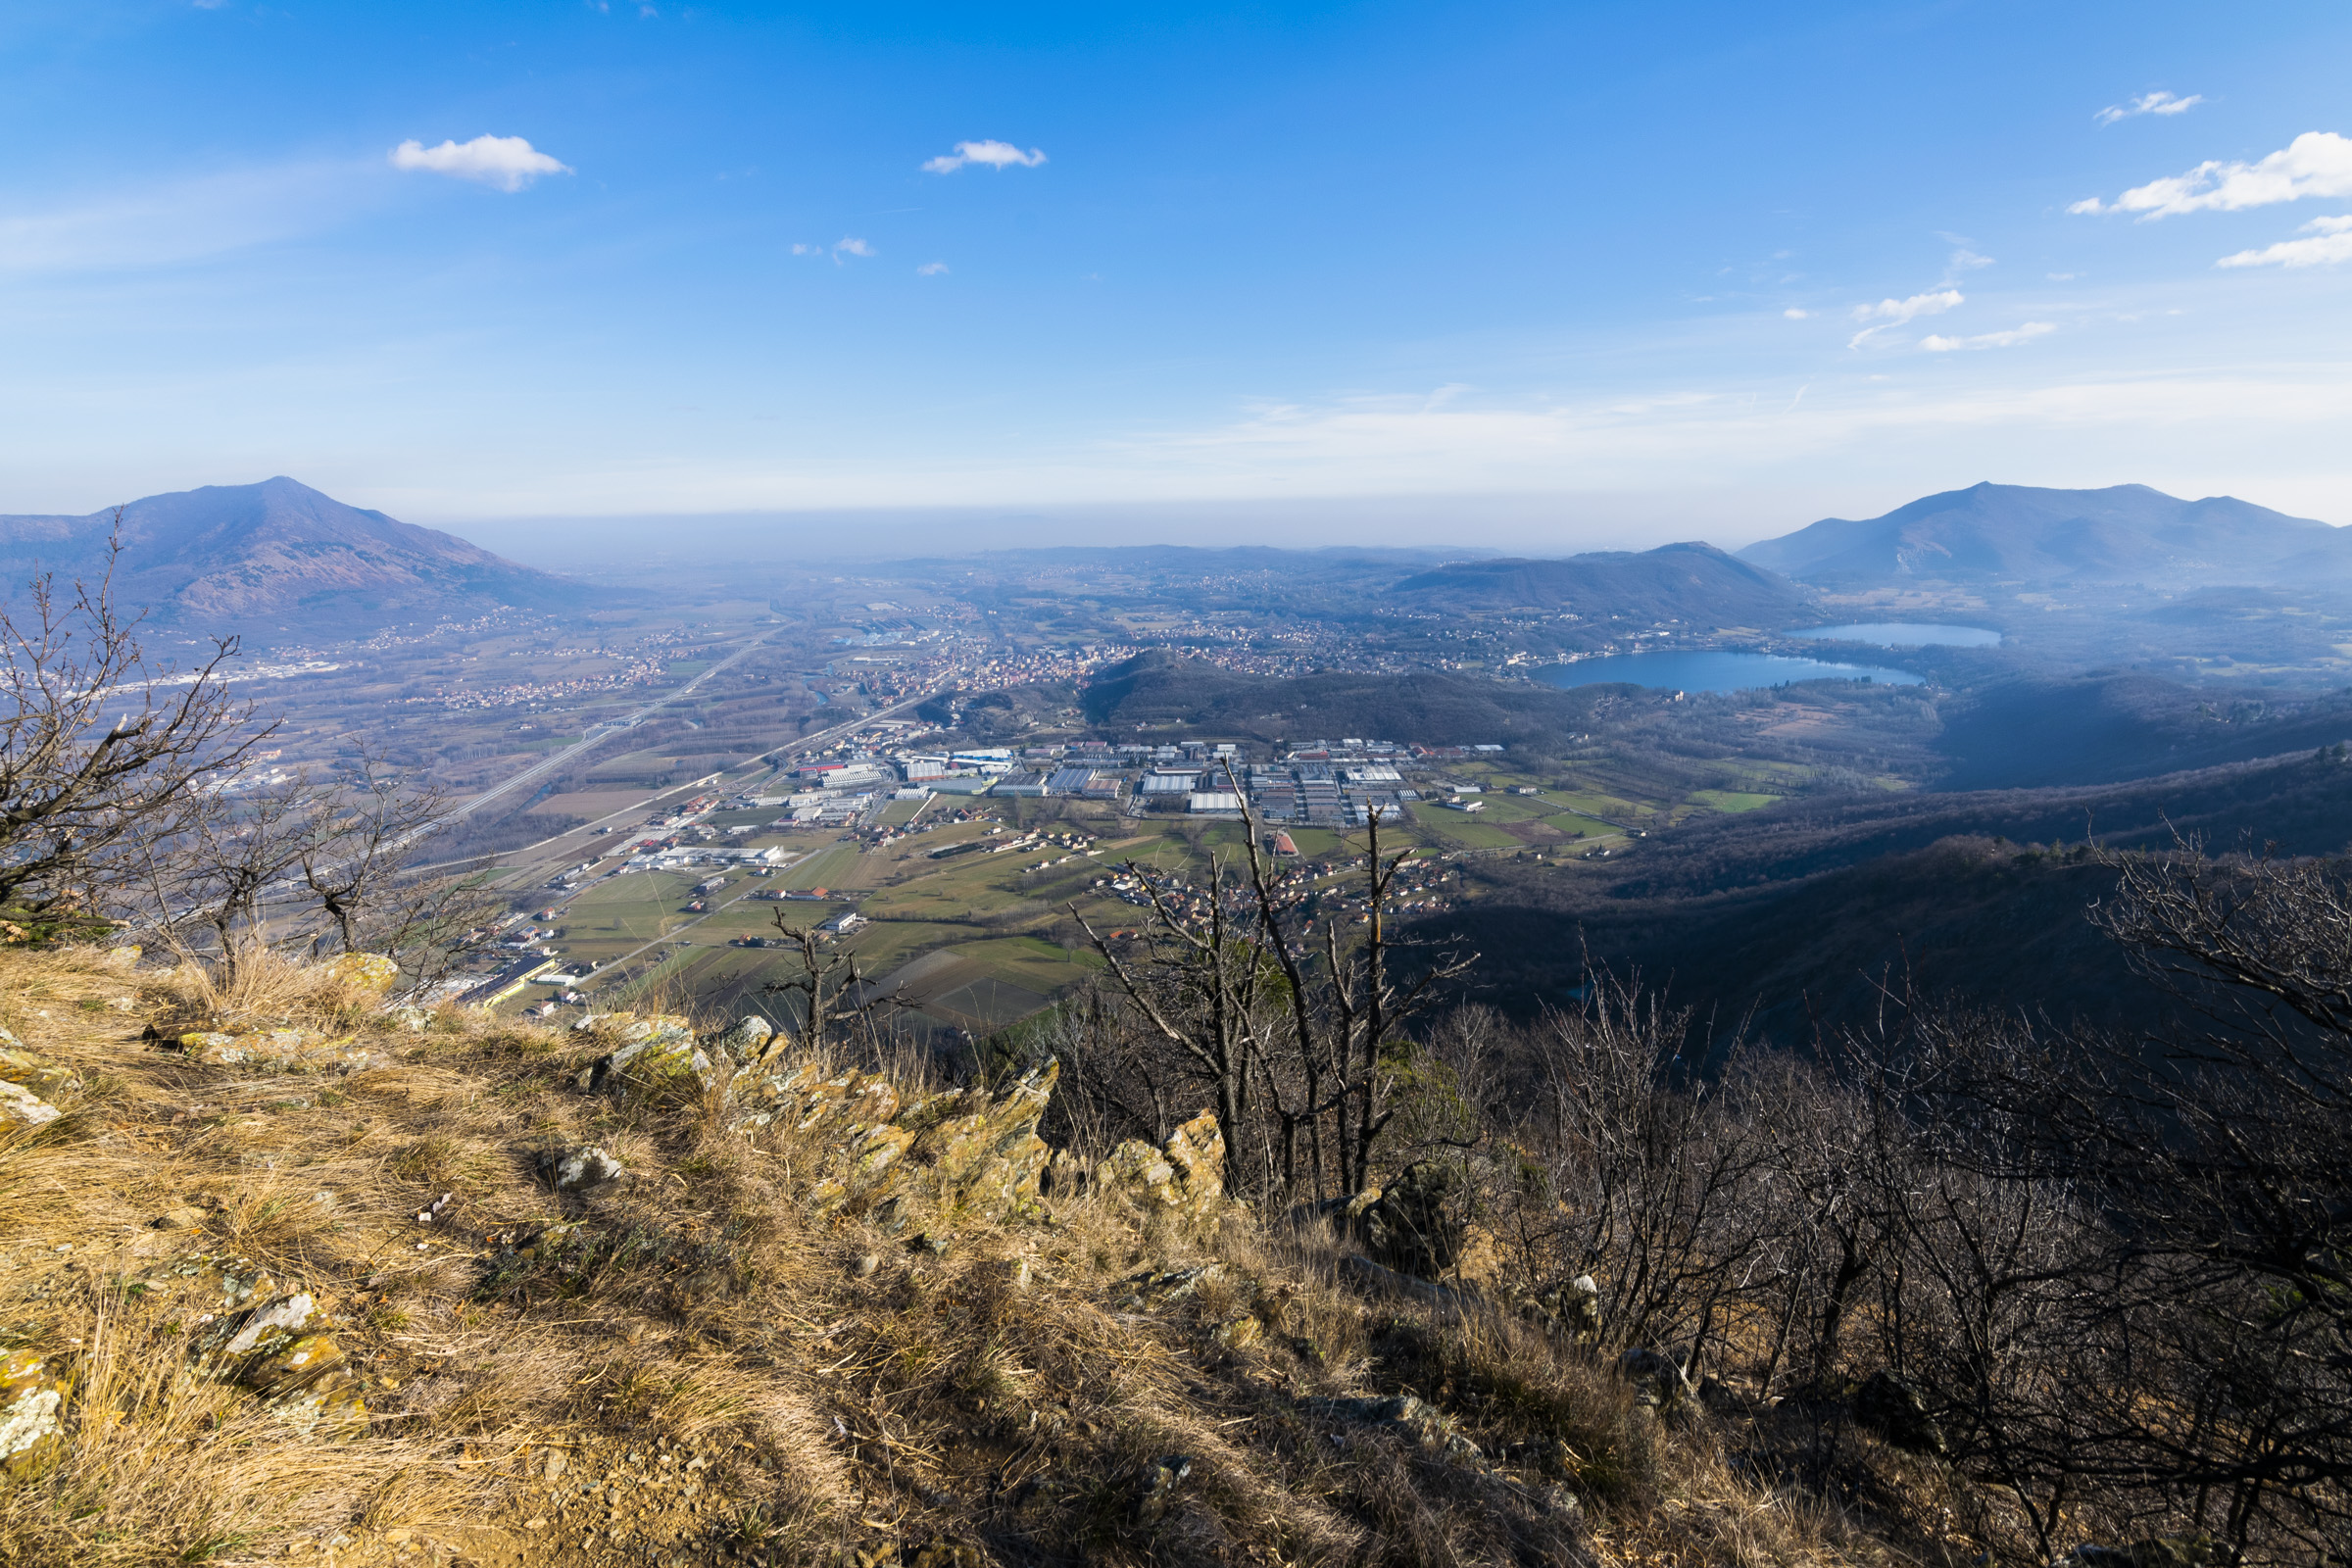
1159 688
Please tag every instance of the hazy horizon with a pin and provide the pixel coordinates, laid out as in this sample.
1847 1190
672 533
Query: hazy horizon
463 264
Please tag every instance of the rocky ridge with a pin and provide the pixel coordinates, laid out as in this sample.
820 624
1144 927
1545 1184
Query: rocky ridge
458 1290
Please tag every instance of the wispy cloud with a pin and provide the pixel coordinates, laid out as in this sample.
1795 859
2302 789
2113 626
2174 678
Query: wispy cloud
848 245
508 161
2330 242
1894 313
1794 314
2318 163
931 270
994 153
187 221
2148 103
1936 343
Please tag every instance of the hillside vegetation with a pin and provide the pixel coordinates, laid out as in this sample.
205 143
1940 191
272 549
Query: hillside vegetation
1158 688
399 1288
1694 584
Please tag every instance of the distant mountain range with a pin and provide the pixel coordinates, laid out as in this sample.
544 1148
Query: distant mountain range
2126 533
227 557
1694 583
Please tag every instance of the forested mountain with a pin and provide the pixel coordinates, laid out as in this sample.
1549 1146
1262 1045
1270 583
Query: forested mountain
1693 583
224 554
2126 533
1431 709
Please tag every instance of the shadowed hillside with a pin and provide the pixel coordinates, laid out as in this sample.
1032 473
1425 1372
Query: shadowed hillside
1158 688
1798 912
2031 731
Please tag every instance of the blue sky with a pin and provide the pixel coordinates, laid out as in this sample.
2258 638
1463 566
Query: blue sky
1526 273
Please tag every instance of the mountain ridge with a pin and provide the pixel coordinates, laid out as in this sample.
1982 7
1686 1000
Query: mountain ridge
229 553
2129 533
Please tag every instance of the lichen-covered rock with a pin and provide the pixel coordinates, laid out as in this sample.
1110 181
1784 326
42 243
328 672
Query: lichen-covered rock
218 1281
20 1106
364 972
746 1040
1413 1228
583 1169
981 1152
1197 1149
1187 1174
280 1050
32 1399
962 1153
1571 1309
1238 1332
653 1051
29 1071
284 1351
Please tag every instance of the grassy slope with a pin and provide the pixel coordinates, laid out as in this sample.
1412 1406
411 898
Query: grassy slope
718 1373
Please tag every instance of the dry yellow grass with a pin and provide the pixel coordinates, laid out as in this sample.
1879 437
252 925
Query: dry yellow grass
687 1366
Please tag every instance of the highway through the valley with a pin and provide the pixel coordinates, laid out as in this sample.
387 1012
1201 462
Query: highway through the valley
555 761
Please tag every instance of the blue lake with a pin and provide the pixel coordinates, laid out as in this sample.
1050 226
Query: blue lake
1904 634
1703 670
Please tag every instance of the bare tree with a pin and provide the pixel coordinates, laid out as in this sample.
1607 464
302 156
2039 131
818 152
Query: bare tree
83 794
359 837
1202 988
831 988
1298 1047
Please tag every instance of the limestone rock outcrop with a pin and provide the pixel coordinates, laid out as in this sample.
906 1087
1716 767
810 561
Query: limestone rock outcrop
280 1050
652 1051
1186 1175
284 1351
27 1083
963 1152
364 972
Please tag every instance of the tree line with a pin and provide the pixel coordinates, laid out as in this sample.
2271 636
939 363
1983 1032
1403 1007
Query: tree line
2103 1281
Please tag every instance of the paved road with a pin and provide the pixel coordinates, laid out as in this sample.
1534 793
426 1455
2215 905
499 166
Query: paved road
557 760
716 780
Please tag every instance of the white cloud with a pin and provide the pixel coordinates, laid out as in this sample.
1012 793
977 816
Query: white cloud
2318 163
508 161
2330 242
931 270
798 249
2061 277
2148 103
847 246
998 155
1894 313
1965 259
1795 314
1936 344
1897 312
